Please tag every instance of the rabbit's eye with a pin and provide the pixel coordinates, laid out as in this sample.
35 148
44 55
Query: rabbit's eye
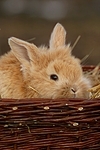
54 77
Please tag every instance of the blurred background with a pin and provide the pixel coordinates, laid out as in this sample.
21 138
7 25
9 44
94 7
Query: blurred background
33 21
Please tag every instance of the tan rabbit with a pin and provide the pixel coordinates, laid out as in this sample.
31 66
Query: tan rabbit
31 72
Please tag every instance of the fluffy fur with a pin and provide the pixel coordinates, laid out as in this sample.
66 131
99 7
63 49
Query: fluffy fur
25 72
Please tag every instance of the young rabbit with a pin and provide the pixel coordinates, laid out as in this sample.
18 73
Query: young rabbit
31 72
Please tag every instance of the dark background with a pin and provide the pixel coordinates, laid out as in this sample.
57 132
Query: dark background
33 20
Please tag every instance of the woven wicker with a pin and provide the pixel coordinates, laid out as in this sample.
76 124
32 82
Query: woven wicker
50 124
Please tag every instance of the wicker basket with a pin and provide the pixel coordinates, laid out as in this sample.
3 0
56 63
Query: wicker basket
50 124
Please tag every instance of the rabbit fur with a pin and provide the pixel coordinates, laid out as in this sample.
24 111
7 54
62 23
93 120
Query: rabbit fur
28 71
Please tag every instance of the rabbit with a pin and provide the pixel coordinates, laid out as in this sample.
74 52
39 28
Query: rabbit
28 71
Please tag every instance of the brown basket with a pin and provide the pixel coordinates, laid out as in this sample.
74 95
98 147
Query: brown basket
47 124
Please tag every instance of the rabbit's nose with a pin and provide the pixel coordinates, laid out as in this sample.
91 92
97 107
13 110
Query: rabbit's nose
73 90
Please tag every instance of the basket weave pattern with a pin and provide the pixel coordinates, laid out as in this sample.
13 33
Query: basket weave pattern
44 124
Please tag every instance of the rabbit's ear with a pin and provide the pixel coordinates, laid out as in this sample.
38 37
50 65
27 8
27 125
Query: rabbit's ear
22 50
58 36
